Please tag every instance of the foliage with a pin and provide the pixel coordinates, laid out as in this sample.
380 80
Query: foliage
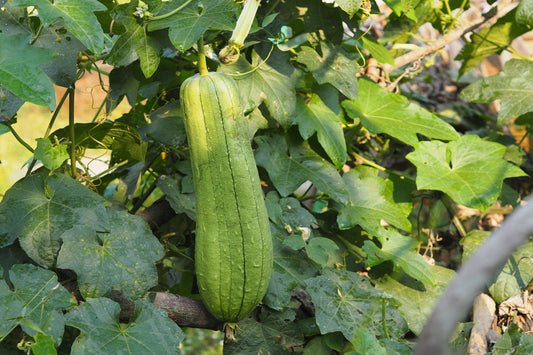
360 172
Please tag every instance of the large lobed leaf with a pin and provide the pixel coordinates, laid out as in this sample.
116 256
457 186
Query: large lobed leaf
187 25
149 331
121 258
35 302
346 301
381 111
416 299
260 82
38 211
470 170
513 86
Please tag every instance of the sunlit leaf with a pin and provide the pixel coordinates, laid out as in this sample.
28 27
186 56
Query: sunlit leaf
470 170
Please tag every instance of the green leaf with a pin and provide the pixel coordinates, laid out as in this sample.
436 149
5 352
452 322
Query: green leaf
25 78
470 170
9 105
515 275
366 343
381 111
377 50
274 333
345 301
471 241
51 156
187 25
135 43
291 269
149 331
122 257
289 171
513 86
37 212
166 125
44 345
349 6
294 215
492 40
335 66
315 116
259 82
524 12
416 300
180 201
401 250
318 250
78 16
370 201
36 298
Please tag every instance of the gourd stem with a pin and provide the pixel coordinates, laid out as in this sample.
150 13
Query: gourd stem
202 64
73 159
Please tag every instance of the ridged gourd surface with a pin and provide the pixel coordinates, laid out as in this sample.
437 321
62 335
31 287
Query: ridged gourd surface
233 246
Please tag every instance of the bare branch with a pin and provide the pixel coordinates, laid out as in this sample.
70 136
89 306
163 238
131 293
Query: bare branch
499 10
471 279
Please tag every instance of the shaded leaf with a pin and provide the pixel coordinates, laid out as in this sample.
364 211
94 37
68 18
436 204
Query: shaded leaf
166 125
401 250
25 78
291 269
149 331
513 86
187 25
122 257
416 300
78 16
180 201
381 111
345 301
370 201
315 116
290 166
37 298
37 212
335 66
515 275
470 170
51 156
260 82
318 250
275 333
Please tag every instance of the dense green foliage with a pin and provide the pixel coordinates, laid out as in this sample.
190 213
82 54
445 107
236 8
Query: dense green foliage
366 176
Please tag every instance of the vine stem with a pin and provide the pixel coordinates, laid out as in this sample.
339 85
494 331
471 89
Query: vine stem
19 138
173 12
73 170
202 64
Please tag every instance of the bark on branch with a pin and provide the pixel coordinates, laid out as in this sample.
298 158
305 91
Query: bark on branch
471 279
474 21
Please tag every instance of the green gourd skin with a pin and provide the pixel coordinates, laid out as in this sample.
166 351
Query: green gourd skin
233 247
